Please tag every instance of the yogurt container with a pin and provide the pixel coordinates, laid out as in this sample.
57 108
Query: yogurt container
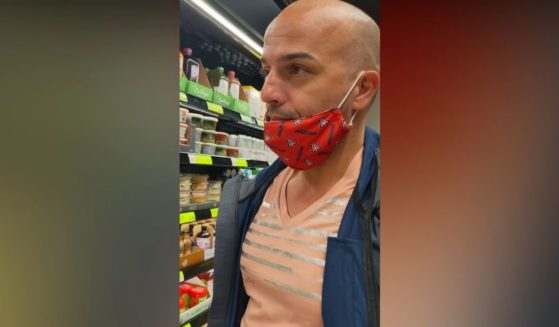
183 117
198 134
232 151
182 130
208 148
198 147
208 136
232 140
209 123
220 150
196 120
221 138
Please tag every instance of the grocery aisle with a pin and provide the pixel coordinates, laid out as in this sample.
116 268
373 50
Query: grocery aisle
221 129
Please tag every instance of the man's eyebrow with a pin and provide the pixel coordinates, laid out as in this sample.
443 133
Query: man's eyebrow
293 56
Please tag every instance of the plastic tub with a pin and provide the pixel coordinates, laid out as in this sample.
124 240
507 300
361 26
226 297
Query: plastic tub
200 186
232 151
182 130
221 138
241 141
220 150
232 140
183 177
209 123
208 136
208 148
196 120
184 198
198 147
185 185
214 185
183 117
198 178
198 196
198 134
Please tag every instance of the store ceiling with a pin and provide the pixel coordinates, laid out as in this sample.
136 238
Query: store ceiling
209 42
258 14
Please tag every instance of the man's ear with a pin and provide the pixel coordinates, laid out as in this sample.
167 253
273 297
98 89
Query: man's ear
366 90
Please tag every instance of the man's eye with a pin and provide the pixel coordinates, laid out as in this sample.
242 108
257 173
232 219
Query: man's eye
296 69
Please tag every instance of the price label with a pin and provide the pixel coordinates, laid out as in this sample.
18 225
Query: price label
209 253
183 97
246 119
215 107
239 162
200 159
181 277
259 122
214 212
187 217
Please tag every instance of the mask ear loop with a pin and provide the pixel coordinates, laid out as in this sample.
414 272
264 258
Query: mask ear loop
347 96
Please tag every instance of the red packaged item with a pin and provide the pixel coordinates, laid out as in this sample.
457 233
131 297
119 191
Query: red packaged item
198 294
184 292
182 305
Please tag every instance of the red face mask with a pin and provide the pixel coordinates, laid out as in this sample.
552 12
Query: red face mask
305 143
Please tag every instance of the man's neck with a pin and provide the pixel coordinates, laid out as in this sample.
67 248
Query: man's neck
324 176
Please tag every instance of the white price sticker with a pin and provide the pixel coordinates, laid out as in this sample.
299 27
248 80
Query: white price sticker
209 253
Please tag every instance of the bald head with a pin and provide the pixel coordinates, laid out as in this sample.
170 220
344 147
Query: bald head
320 54
339 27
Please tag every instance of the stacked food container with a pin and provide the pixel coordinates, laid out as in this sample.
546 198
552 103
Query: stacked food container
208 140
197 188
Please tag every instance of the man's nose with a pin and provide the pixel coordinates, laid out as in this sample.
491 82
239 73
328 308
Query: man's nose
272 92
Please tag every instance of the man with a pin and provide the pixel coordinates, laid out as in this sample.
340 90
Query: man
299 245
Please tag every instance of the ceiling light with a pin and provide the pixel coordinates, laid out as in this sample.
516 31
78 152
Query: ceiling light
228 25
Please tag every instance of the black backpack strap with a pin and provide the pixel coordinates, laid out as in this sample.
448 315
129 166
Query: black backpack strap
371 256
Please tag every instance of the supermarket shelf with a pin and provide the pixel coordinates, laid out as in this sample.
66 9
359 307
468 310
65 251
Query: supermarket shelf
187 158
200 206
229 121
207 211
257 164
193 313
193 271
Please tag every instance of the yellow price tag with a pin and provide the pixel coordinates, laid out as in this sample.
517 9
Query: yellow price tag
203 159
183 97
187 217
200 159
241 163
181 276
187 325
215 108
214 212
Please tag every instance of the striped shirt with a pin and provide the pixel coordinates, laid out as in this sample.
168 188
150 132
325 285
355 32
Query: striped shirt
283 257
